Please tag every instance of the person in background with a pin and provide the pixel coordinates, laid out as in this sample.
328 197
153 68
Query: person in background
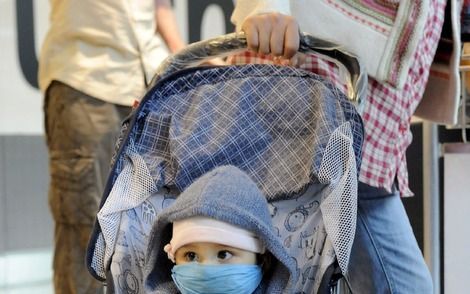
96 61
385 257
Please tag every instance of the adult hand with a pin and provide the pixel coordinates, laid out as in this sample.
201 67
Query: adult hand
215 62
273 33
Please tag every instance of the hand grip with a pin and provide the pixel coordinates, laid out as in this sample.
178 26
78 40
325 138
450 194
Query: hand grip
197 53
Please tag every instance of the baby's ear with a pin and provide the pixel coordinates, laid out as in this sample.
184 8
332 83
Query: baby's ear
169 251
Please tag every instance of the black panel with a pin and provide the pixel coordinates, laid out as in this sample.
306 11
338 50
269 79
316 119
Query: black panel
196 11
414 205
25 35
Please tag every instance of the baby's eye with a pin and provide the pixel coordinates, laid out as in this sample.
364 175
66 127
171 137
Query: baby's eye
224 254
190 256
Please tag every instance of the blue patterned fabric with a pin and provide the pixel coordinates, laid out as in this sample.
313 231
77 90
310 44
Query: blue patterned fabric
270 121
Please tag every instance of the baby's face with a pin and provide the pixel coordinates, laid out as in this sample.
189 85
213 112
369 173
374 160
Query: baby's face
211 253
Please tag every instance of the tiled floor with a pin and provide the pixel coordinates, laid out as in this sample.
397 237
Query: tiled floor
26 272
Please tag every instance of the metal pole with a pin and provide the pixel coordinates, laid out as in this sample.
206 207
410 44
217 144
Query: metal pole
431 202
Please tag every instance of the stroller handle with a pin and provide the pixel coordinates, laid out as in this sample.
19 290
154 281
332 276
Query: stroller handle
199 52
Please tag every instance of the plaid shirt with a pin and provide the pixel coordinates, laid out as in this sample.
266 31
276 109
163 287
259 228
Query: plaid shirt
387 110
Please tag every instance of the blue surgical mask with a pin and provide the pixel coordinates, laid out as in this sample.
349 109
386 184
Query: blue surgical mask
196 278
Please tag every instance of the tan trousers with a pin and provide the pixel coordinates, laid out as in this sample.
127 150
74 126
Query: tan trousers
81 132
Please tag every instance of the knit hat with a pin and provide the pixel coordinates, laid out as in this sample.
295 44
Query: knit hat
204 229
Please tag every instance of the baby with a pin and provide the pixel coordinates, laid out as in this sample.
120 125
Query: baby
213 255
220 235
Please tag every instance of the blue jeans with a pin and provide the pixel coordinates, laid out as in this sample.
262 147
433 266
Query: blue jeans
385 257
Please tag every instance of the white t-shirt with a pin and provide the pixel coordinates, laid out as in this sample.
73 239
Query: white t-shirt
106 48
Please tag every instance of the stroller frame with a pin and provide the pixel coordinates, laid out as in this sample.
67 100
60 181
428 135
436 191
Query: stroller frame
198 52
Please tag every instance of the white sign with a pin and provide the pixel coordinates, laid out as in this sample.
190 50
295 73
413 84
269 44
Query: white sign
456 225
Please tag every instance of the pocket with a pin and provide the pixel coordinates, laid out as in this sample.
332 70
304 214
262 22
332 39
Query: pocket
75 190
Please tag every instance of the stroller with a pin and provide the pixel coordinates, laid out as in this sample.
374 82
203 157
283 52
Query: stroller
295 134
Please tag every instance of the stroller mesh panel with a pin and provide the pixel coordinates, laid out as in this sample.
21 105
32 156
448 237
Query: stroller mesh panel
339 208
270 126
132 187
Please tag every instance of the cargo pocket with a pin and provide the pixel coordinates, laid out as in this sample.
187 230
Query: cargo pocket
75 190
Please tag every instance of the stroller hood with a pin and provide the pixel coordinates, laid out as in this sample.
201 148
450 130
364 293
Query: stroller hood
287 129
229 195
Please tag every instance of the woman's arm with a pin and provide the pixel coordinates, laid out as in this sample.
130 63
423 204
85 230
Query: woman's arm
167 26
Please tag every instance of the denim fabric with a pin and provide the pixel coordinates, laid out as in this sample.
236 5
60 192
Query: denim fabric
80 132
385 257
